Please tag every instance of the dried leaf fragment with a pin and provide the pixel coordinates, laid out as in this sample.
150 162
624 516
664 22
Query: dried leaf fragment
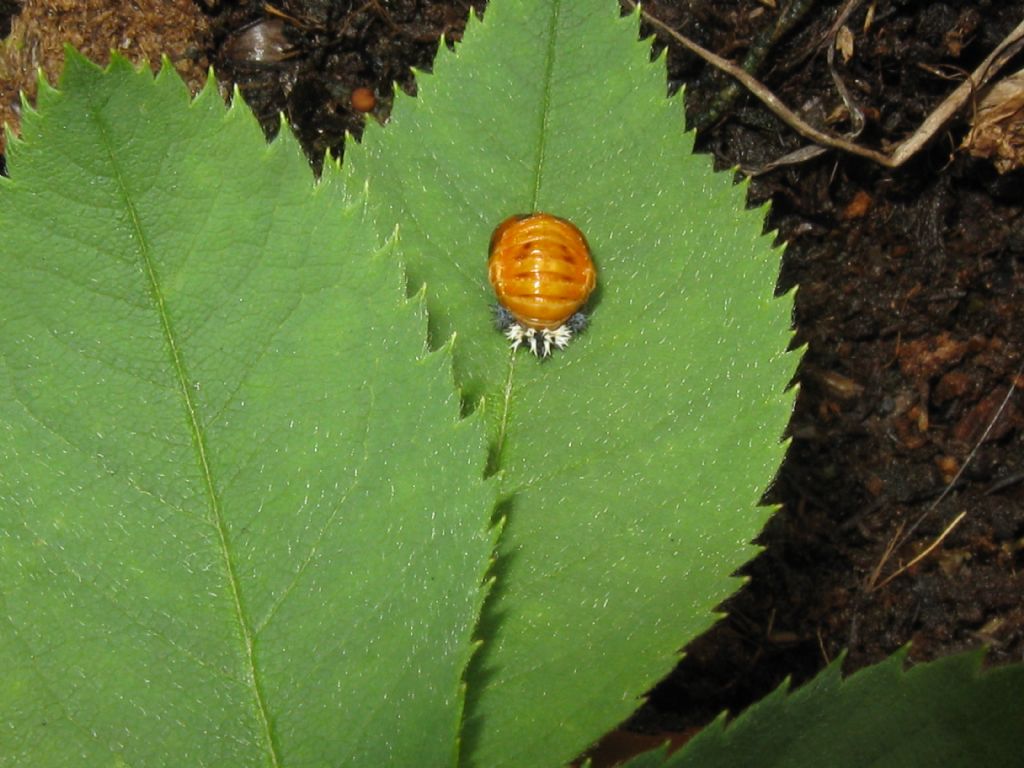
844 43
997 131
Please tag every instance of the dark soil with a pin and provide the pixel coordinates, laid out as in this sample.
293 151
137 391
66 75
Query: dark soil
307 59
911 307
910 301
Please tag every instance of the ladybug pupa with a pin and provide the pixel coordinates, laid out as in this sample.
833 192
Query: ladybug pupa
542 274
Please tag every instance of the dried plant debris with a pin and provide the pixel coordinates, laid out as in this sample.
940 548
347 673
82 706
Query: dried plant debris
997 131
141 31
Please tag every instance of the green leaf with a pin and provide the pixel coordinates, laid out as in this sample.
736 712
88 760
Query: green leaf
632 463
944 714
241 522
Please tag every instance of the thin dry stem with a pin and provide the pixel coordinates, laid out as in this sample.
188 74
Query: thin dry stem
894 542
904 150
925 552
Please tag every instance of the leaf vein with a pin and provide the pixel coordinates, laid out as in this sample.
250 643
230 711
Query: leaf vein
198 436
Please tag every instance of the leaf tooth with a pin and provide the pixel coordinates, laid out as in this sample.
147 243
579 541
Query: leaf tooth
119 63
285 139
240 113
210 92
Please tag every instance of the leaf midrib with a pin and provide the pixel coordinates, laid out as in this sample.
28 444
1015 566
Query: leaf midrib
198 437
545 114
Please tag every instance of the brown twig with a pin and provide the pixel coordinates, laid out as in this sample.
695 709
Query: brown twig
272 10
857 119
952 104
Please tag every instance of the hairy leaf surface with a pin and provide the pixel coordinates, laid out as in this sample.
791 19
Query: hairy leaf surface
631 464
241 523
